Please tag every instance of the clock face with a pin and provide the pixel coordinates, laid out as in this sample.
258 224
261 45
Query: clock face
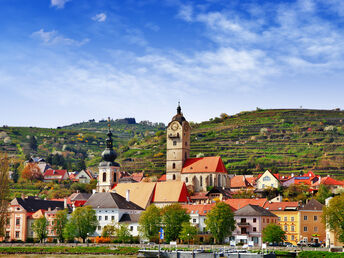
174 126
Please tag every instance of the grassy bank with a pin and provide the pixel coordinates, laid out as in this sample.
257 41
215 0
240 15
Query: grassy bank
69 250
319 254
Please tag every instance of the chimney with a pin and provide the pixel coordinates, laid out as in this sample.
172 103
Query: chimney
127 195
65 203
93 191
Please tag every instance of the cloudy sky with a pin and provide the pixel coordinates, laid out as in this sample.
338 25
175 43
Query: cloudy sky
66 61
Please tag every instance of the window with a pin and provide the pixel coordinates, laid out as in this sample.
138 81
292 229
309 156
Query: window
254 220
174 165
174 143
315 229
305 229
243 231
99 228
131 228
186 143
112 217
174 177
263 220
292 218
17 234
267 220
7 234
115 176
285 228
292 237
305 217
254 229
211 180
266 178
243 220
200 181
106 217
194 220
100 218
104 177
285 219
17 221
315 218
292 228
279 218
186 180
7 221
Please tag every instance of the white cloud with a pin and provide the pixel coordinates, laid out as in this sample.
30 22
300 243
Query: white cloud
185 13
54 38
152 26
100 17
59 3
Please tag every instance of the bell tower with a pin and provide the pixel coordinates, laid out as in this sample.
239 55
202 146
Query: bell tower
178 145
109 170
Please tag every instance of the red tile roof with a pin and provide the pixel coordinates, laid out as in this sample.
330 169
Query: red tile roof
204 165
241 181
52 172
162 178
330 181
275 206
237 204
137 176
201 209
199 196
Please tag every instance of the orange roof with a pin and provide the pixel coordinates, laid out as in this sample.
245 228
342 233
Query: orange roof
201 209
237 204
137 176
162 178
330 181
199 196
275 206
204 165
241 181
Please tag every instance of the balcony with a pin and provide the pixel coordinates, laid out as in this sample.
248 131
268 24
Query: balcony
173 136
243 224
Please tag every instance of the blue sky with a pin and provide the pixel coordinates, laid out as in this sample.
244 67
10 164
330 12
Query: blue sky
66 61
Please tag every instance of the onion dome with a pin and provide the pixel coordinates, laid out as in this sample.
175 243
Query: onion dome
179 117
109 155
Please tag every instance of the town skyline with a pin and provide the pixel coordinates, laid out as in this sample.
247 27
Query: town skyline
66 61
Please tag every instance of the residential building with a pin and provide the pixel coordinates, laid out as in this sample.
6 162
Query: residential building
288 218
268 180
237 204
311 227
84 176
242 182
112 208
55 175
250 222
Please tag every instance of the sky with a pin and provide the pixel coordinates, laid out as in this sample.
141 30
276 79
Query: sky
68 61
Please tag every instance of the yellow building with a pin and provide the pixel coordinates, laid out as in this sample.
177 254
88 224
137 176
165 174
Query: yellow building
288 218
312 229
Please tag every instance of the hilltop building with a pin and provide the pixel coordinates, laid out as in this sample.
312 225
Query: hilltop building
197 173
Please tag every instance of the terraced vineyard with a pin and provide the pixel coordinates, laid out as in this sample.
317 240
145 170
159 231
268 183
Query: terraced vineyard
290 141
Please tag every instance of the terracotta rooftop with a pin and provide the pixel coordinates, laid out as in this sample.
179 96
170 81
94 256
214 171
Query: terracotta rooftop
237 204
242 181
277 206
201 209
204 165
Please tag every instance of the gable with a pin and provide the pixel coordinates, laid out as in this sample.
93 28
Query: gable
204 165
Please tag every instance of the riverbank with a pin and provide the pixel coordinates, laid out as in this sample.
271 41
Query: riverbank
115 250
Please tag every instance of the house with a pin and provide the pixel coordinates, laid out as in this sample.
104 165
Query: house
242 182
288 218
311 227
83 176
112 208
159 193
40 162
268 180
250 222
237 204
307 179
23 211
329 182
218 194
137 176
55 175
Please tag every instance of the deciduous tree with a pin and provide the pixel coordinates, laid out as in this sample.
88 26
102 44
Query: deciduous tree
31 172
323 193
220 222
60 223
188 232
4 191
123 233
39 226
85 221
333 215
150 222
273 233
173 217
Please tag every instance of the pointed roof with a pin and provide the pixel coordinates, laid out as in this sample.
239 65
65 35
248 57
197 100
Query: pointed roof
201 209
33 204
253 210
170 191
281 206
242 181
237 204
312 205
179 117
104 200
330 181
204 165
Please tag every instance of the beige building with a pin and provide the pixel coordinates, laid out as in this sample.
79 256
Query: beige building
267 180
197 173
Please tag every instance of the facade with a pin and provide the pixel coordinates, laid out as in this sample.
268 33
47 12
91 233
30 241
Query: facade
250 222
288 218
267 180
109 170
112 208
242 182
55 175
311 227
83 176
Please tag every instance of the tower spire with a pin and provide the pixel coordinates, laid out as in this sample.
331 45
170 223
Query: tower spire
179 109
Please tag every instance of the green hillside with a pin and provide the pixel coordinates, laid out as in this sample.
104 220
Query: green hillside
286 140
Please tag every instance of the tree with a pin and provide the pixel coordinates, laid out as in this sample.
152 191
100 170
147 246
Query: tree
188 232
85 221
323 193
220 221
333 215
123 233
69 232
173 217
273 233
150 222
31 172
40 228
4 191
33 143
60 223
109 230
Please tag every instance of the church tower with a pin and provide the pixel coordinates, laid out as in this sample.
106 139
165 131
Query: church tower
178 145
109 170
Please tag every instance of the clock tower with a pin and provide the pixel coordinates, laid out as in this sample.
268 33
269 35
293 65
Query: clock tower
178 145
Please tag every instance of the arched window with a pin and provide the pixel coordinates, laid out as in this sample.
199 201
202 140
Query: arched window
104 177
115 177
174 177
186 180
211 180
200 181
219 181
174 165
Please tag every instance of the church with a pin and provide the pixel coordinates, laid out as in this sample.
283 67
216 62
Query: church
197 173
